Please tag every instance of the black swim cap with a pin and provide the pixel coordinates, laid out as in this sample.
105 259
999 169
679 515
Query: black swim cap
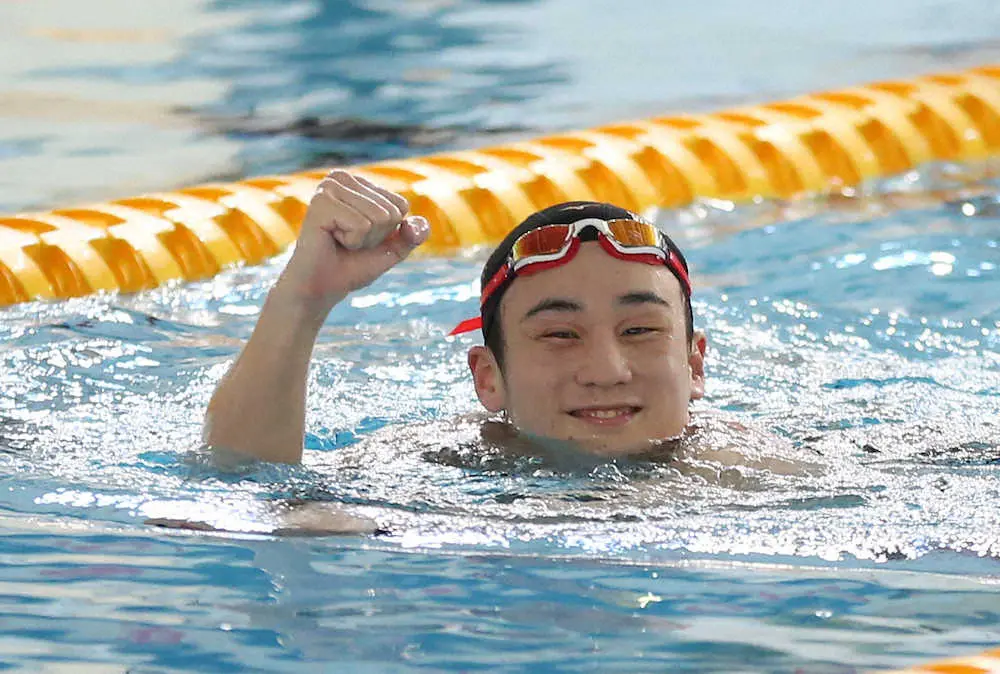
561 214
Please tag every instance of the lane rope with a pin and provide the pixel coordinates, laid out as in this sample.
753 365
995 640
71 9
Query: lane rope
810 144
984 663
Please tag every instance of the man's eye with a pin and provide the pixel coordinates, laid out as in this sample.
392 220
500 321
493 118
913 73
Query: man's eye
560 334
638 330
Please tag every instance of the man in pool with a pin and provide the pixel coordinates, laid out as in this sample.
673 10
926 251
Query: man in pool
585 312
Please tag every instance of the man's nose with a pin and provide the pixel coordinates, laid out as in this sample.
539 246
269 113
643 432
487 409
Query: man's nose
603 362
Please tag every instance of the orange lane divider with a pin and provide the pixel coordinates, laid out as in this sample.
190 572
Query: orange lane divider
985 663
813 143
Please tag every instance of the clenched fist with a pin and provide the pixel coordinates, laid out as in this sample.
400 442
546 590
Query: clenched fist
353 232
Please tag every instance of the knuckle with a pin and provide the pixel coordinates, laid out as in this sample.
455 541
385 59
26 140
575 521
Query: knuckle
347 239
382 209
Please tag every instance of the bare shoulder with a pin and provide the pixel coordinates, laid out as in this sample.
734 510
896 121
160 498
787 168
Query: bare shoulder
716 437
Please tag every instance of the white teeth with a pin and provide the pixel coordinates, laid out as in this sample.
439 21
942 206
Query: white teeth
604 414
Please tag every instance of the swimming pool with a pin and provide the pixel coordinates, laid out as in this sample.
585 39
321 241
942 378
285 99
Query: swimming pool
864 328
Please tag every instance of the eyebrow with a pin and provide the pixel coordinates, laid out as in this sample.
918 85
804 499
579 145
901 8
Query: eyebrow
566 305
552 304
642 297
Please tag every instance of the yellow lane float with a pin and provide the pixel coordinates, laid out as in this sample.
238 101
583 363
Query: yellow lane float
809 144
984 663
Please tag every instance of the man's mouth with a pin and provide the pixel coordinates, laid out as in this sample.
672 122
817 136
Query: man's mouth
607 416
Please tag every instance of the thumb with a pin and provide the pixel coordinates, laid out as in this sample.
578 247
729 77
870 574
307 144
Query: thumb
412 232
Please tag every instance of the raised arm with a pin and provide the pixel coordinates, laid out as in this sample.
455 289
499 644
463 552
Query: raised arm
353 232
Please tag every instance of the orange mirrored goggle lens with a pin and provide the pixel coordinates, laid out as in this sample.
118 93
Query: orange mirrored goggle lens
551 239
634 234
542 241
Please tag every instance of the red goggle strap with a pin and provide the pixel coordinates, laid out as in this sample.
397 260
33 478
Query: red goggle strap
468 325
495 282
672 261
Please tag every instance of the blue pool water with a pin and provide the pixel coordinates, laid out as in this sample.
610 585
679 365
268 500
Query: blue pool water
868 333
863 328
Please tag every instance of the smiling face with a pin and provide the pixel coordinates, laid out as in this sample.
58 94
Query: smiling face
595 353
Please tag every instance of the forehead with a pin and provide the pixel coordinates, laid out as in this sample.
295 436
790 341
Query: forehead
594 279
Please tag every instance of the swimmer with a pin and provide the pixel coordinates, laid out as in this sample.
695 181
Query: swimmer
590 355
585 312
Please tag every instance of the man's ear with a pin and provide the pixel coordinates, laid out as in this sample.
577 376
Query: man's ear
487 378
696 361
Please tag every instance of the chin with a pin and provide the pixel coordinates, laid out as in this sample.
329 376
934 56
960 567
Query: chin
613 447
609 442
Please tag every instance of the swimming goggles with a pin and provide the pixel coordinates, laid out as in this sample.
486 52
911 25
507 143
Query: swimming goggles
553 245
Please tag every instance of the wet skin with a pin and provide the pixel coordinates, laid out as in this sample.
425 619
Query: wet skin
596 354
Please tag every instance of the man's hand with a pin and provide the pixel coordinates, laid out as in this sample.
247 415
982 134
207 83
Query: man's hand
287 518
353 232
